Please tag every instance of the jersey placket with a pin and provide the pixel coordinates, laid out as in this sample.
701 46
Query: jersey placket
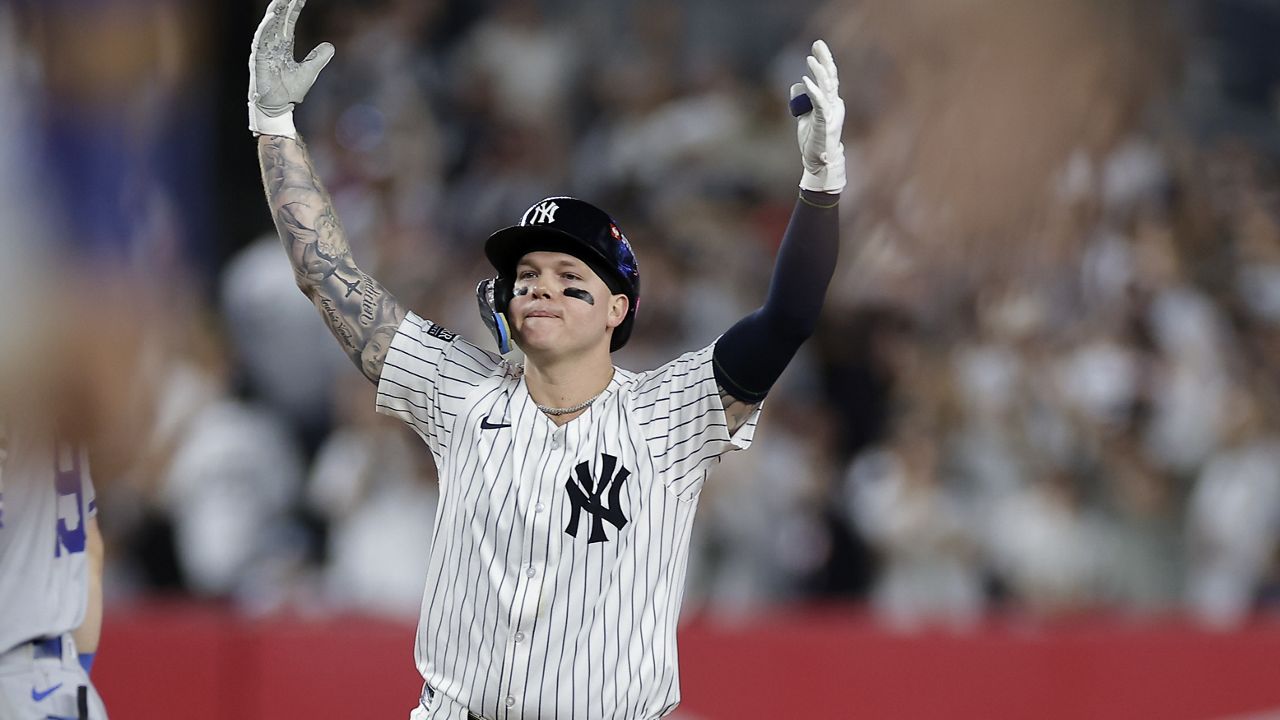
537 482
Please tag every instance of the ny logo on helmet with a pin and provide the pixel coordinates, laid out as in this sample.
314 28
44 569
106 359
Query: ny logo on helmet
585 495
544 214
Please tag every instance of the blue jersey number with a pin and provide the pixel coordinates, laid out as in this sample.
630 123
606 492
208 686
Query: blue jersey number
67 479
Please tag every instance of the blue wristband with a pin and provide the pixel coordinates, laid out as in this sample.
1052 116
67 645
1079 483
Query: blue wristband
86 661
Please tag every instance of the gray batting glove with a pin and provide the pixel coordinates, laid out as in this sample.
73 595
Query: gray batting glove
276 81
819 129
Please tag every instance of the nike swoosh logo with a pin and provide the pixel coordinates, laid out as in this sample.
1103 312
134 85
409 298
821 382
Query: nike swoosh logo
38 696
486 425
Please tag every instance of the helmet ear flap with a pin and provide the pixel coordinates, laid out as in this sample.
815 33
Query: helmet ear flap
503 290
492 297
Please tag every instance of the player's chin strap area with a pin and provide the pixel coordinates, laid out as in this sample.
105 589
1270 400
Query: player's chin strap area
488 298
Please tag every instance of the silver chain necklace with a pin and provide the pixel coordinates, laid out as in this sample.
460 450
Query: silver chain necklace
571 409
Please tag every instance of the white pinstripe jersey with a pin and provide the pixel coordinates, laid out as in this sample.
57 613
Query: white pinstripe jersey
557 566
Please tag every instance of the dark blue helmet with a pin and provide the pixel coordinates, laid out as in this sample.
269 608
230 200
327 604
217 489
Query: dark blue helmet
573 227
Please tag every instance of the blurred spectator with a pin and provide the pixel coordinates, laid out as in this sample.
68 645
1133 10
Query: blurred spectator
288 359
1048 547
522 61
375 488
1233 519
926 535
230 476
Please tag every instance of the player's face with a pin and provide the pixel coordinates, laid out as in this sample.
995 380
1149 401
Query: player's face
560 305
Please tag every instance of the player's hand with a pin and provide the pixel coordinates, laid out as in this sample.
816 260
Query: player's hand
819 128
276 81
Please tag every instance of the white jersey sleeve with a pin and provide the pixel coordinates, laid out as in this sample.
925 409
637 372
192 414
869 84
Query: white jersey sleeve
679 410
427 376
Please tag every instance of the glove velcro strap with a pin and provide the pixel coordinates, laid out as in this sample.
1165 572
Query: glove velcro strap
830 180
830 177
263 124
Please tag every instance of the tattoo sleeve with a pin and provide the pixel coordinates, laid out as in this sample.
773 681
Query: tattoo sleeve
359 311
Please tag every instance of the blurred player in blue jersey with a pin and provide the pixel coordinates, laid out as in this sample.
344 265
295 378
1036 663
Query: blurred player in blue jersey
50 579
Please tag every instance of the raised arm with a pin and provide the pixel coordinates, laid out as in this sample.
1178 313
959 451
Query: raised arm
359 311
750 357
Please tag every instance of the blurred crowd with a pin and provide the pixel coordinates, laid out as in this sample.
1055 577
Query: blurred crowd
1045 382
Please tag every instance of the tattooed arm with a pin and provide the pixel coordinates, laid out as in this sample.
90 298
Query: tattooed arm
359 311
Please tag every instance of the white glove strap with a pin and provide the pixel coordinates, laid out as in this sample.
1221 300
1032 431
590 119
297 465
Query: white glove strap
830 178
263 124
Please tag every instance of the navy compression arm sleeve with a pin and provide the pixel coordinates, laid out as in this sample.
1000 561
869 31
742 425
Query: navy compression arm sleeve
750 357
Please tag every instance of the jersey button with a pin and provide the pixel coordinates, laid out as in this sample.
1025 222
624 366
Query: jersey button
530 571
510 702
518 637
539 507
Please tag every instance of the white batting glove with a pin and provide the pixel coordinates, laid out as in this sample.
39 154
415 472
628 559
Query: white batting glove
819 129
276 81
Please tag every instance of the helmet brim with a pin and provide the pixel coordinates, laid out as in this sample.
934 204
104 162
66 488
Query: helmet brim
505 247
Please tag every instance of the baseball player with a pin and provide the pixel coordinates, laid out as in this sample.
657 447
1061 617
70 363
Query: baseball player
567 485
50 580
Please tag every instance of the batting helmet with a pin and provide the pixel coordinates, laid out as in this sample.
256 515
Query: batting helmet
570 226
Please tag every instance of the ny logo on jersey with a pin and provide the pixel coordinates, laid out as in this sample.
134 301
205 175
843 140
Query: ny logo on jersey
544 214
584 494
